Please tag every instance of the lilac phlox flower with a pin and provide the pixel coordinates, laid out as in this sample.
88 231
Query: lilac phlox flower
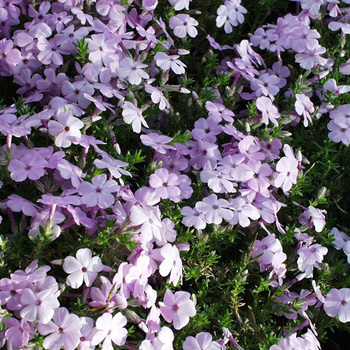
202 341
82 269
213 210
268 246
311 58
180 4
172 62
206 129
110 329
70 172
204 154
278 268
340 238
250 147
87 331
304 39
337 303
75 92
293 342
331 85
18 333
114 166
64 331
263 38
313 217
9 57
183 25
66 129
260 180
18 204
150 224
218 181
219 112
171 264
98 192
132 71
229 15
339 130
193 217
157 97
266 85
133 115
177 308
39 305
287 170
281 72
304 107
158 142
344 68
234 166
310 257
31 274
242 212
165 185
268 109
11 293
287 299
336 25
31 165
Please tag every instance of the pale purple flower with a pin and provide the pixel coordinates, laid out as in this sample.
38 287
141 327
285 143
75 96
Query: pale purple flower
171 264
158 142
31 165
304 107
193 217
110 329
177 308
132 71
183 25
39 305
263 38
311 58
337 303
206 129
18 204
310 257
83 268
340 238
268 109
266 85
157 96
180 4
339 130
64 331
66 129
133 115
230 15
313 217
214 209
203 341
242 212
114 166
166 62
165 185
75 92
98 192
219 112
11 293
86 333
18 333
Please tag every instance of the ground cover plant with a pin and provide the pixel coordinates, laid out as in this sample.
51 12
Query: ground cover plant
174 174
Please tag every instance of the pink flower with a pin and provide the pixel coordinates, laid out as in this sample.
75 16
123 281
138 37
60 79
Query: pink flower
66 129
177 308
83 268
99 192
64 331
337 303
182 25
110 329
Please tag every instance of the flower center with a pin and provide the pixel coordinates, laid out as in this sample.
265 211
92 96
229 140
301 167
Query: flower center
84 269
176 308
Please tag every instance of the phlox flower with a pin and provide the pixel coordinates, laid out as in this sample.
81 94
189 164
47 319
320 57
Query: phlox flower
86 333
180 4
83 268
230 15
193 217
219 112
172 263
304 107
64 331
263 38
114 166
242 212
157 97
158 142
98 192
183 25
133 115
337 303
268 109
214 209
313 217
310 257
132 71
39 305
165 185
110 329
340 238
66 129
18 333
166 62
331 85
339 130
266 85
18 204
11 293
311 58
177 308
202 341
31 165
